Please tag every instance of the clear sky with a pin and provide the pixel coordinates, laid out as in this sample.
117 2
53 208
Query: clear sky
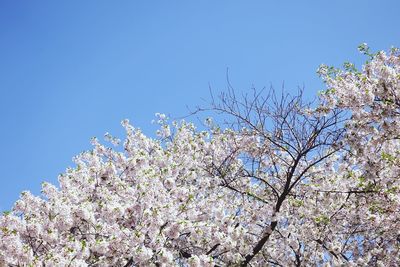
71 70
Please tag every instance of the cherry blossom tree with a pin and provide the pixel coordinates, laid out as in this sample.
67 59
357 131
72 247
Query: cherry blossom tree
283 182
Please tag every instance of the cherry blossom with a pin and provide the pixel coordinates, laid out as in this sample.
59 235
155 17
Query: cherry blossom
287 183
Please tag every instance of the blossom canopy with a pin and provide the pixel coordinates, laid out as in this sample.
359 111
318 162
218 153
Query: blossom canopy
286 184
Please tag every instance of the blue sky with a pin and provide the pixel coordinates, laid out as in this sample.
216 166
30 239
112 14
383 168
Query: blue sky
71 70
